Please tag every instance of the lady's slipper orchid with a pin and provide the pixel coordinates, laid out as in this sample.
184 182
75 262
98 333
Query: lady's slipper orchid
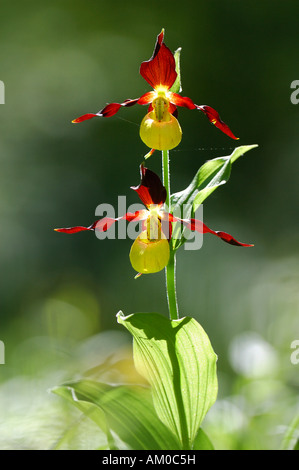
150 251
160 129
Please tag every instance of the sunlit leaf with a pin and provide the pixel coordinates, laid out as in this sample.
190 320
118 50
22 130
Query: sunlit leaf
202 442
90 409
210 176
125 410
177 86
178 361
291 437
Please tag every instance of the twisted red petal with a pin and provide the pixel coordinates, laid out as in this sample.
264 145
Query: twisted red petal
76 229
160 69
215 119
108 111
104 224
211 113
150 190
85 117
184 101
199 226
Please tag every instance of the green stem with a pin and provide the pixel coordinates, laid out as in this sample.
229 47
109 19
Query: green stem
170 273
166 175
170 270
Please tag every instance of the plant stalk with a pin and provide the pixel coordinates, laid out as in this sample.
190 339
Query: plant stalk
170 270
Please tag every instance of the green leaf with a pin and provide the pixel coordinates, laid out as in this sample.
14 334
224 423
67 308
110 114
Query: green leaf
291 437
128 411
202 442
90 409
210 176
177 86
176 358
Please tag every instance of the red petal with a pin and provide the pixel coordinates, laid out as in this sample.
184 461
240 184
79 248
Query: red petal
215 119
104 224
147 97
226 237
85 117
211 113
72 229
182 101
160 69
198 226
150 190
108 111
113 108
135 216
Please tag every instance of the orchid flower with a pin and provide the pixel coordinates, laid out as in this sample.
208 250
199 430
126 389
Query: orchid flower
150 250
160 129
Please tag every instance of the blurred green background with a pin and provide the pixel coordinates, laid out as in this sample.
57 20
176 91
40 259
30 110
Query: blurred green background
59 294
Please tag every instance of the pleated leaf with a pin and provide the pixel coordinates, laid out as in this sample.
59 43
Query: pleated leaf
177 359
127 411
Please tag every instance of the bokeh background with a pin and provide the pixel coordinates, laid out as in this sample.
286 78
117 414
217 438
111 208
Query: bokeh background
59 294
